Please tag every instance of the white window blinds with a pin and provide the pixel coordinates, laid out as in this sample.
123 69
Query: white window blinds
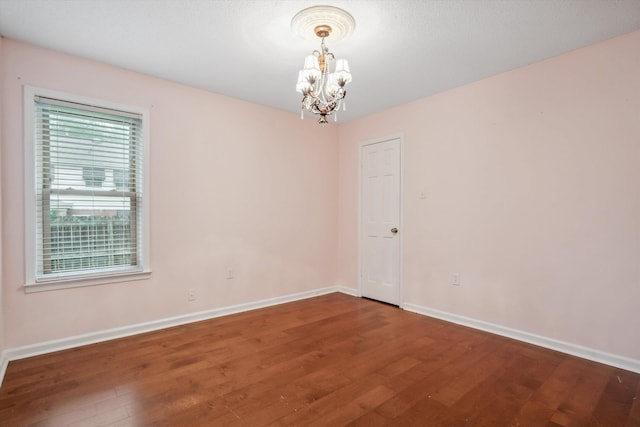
89 190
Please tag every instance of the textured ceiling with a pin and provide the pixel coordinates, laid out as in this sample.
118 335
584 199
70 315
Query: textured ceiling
400 50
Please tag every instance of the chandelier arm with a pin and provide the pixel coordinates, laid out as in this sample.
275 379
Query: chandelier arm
315 108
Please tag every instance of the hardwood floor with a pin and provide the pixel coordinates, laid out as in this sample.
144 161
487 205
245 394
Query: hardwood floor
327 361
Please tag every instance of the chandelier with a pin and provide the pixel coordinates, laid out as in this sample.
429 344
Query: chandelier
323 90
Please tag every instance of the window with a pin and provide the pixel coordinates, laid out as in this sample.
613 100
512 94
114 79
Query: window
86 216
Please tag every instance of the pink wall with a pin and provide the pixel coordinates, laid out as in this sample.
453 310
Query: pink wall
233 184
532 183
532 180
2 345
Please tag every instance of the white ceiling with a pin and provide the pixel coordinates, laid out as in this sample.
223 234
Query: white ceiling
400 50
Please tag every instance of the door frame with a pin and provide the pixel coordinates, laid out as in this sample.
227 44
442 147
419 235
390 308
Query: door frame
400 235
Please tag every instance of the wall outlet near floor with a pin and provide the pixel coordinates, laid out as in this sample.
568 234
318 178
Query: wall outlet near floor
455 279
229 273
191 295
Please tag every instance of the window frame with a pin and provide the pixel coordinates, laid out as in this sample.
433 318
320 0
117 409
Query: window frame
77 279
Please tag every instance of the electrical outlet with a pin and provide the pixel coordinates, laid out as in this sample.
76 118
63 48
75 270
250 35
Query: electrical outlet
455 279
229 273
191 295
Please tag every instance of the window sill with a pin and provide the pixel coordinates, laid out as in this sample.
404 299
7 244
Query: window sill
68 283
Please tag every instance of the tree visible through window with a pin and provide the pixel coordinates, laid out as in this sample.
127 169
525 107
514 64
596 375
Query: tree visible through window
88 181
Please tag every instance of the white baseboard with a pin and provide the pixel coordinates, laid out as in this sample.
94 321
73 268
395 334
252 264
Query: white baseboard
125 331
4 361
626 363
348 291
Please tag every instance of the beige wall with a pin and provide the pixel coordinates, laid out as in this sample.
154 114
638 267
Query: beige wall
233 184
532 180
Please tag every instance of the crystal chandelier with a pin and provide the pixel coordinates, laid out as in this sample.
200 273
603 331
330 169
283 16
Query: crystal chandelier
323 91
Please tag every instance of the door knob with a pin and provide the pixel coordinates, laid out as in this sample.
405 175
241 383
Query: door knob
394 230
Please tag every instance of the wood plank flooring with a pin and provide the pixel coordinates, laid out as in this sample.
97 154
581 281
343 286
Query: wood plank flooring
327 361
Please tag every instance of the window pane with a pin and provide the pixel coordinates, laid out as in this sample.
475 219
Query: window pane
88 180
89 242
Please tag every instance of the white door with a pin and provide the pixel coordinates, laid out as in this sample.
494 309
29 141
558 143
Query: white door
380 221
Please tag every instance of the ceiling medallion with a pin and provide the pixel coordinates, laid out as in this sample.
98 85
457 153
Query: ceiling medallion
323 90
